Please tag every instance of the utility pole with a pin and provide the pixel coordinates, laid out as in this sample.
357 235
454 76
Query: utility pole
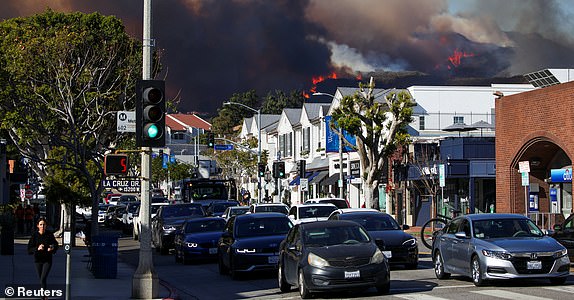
145 282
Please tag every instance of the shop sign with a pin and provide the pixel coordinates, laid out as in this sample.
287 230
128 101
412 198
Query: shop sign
561 175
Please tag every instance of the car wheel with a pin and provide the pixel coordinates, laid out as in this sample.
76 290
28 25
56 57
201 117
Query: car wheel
476 272
134 236
558 280
284 287
222 268
439 267
303 290
234 273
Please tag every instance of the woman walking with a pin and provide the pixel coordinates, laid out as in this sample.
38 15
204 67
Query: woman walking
43 245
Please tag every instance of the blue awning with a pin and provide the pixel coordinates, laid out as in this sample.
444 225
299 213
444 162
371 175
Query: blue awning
308 175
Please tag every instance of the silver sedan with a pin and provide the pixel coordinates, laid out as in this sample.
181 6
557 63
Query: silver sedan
498 246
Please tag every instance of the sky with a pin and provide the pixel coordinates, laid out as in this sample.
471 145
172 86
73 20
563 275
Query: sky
212 49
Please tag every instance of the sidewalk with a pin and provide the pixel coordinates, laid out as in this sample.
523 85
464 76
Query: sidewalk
18 269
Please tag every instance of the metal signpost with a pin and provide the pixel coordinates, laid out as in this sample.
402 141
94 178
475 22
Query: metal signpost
524 169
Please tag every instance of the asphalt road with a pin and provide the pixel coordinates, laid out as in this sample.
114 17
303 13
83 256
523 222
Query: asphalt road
203 281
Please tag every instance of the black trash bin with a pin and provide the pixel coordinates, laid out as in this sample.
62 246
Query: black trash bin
7 240
105 256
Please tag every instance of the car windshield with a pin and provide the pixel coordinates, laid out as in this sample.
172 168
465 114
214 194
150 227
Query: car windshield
238 211
205 226
215 191
174 211
373 222
133 207
154 208
505 228
330 236
220 207
272 208
315 211
262 227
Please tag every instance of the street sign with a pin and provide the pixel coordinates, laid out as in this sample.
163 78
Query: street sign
304 182
525 179
524 166
29 194
123 186
441 174
126 121
223 147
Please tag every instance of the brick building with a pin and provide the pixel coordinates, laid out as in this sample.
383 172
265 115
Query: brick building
535 126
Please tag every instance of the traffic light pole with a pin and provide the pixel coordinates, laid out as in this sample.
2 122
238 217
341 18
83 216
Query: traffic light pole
145 282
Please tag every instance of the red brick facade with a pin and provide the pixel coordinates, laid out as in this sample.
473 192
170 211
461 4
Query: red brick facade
531 126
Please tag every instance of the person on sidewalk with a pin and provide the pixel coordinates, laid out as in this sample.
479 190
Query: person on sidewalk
43 245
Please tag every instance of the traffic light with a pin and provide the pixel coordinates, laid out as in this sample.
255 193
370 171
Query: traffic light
210 140
116 164
150 113
302 167
261 169
279 169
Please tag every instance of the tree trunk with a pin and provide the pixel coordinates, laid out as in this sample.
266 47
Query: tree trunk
369 191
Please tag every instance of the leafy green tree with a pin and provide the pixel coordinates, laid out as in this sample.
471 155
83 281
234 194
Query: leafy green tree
230 116
379 128
62 79
275 102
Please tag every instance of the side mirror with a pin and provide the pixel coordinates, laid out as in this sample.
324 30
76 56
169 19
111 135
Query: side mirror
461 235
557 227
406 227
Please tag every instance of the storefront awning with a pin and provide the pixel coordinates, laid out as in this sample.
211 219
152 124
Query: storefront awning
308 175
331 180
319 177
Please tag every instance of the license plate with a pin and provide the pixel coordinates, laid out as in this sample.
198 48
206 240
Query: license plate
273 259
353 274
388 254
534 265
212 250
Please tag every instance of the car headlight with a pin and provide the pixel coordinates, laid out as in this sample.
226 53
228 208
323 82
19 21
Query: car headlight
317 261
168 227
378 257
497 254
191 245
560 253
245 250
410 242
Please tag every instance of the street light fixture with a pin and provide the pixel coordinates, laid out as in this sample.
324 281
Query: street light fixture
258 111
341 176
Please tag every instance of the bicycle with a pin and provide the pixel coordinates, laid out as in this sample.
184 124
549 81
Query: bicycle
431 228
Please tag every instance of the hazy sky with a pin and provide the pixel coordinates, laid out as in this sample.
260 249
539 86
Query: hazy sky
214 48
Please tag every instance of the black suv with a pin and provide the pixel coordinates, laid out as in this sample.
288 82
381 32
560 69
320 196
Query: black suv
168 219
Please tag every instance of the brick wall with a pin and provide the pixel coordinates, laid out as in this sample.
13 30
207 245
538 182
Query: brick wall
522 120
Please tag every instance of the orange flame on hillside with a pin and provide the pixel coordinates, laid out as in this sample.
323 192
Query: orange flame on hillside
456 57
316 80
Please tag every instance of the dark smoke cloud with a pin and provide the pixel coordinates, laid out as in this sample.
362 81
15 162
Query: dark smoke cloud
214 48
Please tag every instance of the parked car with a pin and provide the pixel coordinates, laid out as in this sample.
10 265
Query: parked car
234 211
269 207
564 234
250 242
338 202
217 208
331 256
498 246
197 239
168 219
136 221
102 208
399 247
114 216
128 216
302 213
113 201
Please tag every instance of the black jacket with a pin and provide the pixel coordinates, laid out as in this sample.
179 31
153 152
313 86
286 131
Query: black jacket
46 239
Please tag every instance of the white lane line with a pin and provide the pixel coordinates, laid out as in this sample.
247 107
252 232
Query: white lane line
508 295
564 288
418 297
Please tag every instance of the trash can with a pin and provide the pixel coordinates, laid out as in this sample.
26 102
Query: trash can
105 256
7 240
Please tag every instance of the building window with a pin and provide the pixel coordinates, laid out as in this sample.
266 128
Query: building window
306 139
421 122
458 120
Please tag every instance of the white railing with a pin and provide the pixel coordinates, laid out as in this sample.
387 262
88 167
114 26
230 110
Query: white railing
546 221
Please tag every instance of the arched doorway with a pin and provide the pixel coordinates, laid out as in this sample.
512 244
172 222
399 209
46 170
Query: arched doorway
546 195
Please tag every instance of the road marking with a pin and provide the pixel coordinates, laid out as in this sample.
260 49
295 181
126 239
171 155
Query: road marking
419 297
508 295
564 288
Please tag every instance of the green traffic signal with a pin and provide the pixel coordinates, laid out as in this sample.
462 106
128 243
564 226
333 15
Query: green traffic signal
151 131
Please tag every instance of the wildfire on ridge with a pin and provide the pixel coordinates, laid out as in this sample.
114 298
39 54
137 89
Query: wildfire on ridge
457 56
316 80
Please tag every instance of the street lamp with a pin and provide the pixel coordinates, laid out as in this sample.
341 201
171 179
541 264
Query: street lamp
258 111
341 176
